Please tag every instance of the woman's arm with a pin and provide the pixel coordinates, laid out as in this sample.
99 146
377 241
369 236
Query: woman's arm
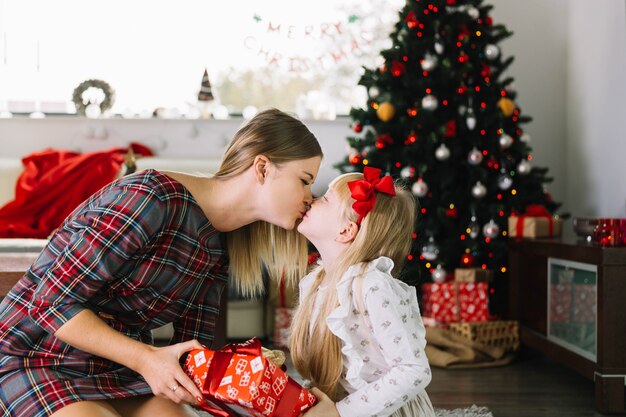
159 366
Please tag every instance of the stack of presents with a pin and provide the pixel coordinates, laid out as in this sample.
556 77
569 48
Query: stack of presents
462 305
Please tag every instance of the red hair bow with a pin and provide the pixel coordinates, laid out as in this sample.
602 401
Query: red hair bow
364 191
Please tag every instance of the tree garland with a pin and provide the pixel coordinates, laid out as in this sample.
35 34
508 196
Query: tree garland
77 96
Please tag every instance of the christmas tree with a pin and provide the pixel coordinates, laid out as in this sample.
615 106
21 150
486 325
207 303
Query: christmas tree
205 93
441 115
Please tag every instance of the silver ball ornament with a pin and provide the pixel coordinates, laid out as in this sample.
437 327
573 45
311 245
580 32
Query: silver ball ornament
474 228
430 251
374 92
492 52
505 141
429 62
419 188
479 190
524 167
491 229
505 182
407 172
474 157
473 12
442 153
430 102
439 275
470 120
439 47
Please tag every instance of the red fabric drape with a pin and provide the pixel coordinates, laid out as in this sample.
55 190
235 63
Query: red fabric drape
53 184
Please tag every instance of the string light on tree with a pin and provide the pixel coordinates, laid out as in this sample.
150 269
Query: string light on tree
429 62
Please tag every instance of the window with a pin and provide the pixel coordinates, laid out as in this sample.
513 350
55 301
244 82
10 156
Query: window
296 55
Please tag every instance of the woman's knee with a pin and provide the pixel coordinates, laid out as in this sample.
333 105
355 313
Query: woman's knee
87 408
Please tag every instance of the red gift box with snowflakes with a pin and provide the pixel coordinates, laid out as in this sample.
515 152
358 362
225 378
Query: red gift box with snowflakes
451 302
561 302
238 381
585 303
282 326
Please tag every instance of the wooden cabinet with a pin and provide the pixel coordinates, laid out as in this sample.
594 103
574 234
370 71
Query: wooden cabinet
529 302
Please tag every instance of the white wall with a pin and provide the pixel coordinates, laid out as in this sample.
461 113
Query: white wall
596 109
539 45
192 139
570 69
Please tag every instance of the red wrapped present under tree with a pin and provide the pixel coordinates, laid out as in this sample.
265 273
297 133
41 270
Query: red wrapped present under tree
238 381
456 302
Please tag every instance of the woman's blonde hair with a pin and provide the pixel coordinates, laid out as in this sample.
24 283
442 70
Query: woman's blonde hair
281 138
385 231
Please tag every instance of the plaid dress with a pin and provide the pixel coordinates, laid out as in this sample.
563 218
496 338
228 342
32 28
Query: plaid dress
140 253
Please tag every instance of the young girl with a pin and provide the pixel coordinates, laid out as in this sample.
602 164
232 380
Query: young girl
357 334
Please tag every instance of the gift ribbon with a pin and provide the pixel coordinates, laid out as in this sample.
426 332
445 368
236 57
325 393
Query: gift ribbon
219 365
534 210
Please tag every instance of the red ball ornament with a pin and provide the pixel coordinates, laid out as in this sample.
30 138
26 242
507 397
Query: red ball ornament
450 130
397 68
357 127
411 20
451 2
452 213
467 260
355 159
384 140
489 21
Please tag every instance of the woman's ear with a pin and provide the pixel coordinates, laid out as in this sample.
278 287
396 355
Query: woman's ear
260 166
348 232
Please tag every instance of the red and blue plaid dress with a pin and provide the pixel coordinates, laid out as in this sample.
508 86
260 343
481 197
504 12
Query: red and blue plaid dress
140 253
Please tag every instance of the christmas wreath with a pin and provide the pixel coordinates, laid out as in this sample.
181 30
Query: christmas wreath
81 103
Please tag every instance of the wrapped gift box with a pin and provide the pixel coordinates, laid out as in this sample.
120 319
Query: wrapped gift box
455 301
473 301
282 326
561 302
585 304
473 275
498 333
440 302
238 381
534 227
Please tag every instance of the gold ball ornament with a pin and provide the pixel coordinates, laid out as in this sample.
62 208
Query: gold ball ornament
386 111
506 106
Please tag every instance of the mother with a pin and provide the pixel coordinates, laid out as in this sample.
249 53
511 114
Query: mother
146 250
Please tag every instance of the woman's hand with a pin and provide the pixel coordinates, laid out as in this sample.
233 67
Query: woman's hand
161 369
325 407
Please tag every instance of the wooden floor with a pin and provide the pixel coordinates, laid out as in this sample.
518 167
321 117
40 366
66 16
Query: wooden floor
532 386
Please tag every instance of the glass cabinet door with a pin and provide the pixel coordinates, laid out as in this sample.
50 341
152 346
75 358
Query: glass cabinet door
573 306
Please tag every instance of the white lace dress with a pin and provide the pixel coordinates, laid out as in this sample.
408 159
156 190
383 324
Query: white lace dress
385 368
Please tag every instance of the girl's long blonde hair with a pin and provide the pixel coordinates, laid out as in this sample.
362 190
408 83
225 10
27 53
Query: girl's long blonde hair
385 231
281 138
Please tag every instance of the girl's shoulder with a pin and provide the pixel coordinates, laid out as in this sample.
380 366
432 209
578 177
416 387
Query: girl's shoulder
377 279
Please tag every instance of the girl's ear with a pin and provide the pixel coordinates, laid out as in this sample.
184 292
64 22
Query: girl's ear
260 166
348 233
